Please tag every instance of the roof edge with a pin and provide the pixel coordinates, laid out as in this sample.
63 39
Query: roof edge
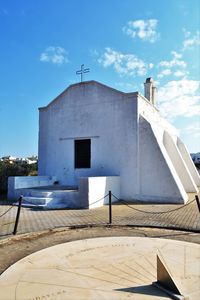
147 101
86 83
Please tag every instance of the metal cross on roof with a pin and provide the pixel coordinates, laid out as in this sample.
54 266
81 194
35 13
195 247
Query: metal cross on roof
82 71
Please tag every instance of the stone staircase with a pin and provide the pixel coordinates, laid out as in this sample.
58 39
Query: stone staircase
50 197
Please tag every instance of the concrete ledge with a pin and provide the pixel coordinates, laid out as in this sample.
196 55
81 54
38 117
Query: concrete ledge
16 183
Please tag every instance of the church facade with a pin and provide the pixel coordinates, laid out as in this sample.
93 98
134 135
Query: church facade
92 131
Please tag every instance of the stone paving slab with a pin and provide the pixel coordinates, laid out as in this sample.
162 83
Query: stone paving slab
103 268
186 217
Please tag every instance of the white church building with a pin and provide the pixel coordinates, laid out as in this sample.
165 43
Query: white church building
93 138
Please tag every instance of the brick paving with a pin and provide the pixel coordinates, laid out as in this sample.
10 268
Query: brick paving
185 217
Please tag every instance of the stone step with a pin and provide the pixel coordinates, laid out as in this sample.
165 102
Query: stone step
61 200
50 197
38 194
45 193
36 200
49 205
32 205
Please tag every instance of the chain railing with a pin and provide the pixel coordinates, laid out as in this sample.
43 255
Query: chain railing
24 201
179 218
8 210
130 205
153 212
5 212
90 204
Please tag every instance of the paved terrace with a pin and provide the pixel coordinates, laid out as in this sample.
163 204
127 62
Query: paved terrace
182 217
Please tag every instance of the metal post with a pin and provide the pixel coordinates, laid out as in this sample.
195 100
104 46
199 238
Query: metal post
18 215
110 207
197 201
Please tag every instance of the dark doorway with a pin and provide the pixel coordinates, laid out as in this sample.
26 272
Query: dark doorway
82 154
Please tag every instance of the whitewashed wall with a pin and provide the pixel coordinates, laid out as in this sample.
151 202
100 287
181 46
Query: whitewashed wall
157 177
93 189
90 110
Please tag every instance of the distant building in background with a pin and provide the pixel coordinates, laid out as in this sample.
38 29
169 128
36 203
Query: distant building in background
196 158
11 159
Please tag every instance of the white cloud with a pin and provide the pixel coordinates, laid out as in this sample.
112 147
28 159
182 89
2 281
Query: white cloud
126 86
174 62
193 129
124 64
167 72
172 65
180 73
191 40
164 72
176 55
179 98
151 66
55 55
143 29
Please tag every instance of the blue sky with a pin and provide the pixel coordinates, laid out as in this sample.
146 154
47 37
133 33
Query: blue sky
44 42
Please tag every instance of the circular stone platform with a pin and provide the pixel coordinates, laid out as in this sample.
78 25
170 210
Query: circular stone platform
102 268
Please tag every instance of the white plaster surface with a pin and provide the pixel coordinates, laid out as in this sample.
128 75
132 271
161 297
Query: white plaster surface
92 189
158 180
89 110
103 268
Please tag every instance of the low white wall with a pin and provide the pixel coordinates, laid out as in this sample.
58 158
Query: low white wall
94 188
16 183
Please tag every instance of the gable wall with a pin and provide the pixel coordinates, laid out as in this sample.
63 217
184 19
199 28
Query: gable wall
90 110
